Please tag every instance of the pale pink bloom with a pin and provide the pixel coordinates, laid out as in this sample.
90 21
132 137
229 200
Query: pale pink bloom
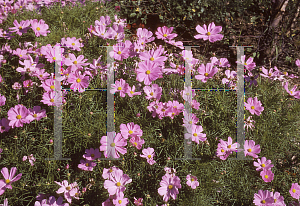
120 200
195 104
137 142
39 27
249 64
164 33
149 154
2 100
263 164
195 134
228 146
20 28
108 173
269 74
76 63
154 56
131 130
267 175
120 86
153 92
292 92
100 31
251 149
111 146
116 184
192 181
162 109
178 44
262 197
105 21
8 178
170 171
187 94
172 112
118 21
145 34
231 75
189 119
50 99
41 74
87 165
30 158
277 199
147 72
116 33
297 62
295 190
206 72
5 203
254 106
120 52
222 153
21 53
18 116
73 43
169 187
69 190
78 82
16 86
210 33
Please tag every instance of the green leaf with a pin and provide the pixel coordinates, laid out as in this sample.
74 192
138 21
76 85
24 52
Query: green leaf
254 54
132 14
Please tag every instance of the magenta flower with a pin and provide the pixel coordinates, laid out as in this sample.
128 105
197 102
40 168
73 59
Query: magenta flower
267 175
131 130
263 164
48 98
21 53
111 146
222 153
269 74
39 27
249 64
192 181
138 202
164 33
73 43
295 190
92 154
206 72
36 113
251 78
231 75
137 142
153 92
293 92
228 146
154 56
2 100
116 184
210 34
254 106
120 52
262 198
8 178
120 200
169 187
4 125
108 173
79 82
76 63
30 158
20 28
18 116
120 86
297 62
87 165
251 149
69 190
149 154
148 71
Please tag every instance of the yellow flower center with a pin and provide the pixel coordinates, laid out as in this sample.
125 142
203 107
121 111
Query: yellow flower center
20 27
173 114
73 44
190 122
275 200
270 74
110 170
119 88
152 59
175 106
41 75
102 34
195 134
245 64
119 52
170 186
38 28
135 144
120 201
51 100
130 132
2 127
19 116
263 165
118 184
148 72
54 58
229 146
249 150
263 201
151 93
92 155
291 92
252 107
87 164
21 55
163 110
266 176
284 73
78 80
52 87
208 33
192 179
68 188
206 74
112 144
75 62
7 181
222 150
131 92
165 35
149 156
35 115
294 190
187 94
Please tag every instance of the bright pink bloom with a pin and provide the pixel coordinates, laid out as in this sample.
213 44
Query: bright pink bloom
18 116
108 173
297 62
39 27
137 142
251 149
206 72
120 200
154 56
249 64
149 154
192 181
267 175
76 63
2 100
131 92
164 33
116 184
263 164
20 28
21 53
169 187
111 146
277 199
50 99
211 33
231 75
131 130
195 134
293 92
248 123
295 190
120 86
92 154
69 190
105 21
261 198
73 43
8 178
162 109
269 74
79 82
254 106
120 52
148 71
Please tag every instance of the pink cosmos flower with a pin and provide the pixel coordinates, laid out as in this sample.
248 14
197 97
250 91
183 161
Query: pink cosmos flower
131 92
292 92
206 72
76 63
251 78
195 134
52 202
295 190
4 125
222 153
145 34
171 111
148 71
170 172
20 28
262 198
73 43
154 56
164 33
178 44
138 202
18 116
267 175
187 94
87 165
5 203
269 74
39 27
120 86
231 75
8 178
153 92
30 158
21 53
69 190
149 154
248 123
120 52
108 173
189 119
137 142
36 113
169 187
228 146
249 64
116 184
111 146
251 149
120 200
92 154
41 74
79 82
162 109
254 106
192 181
263 164
277 199
131 130
2 100
211 33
